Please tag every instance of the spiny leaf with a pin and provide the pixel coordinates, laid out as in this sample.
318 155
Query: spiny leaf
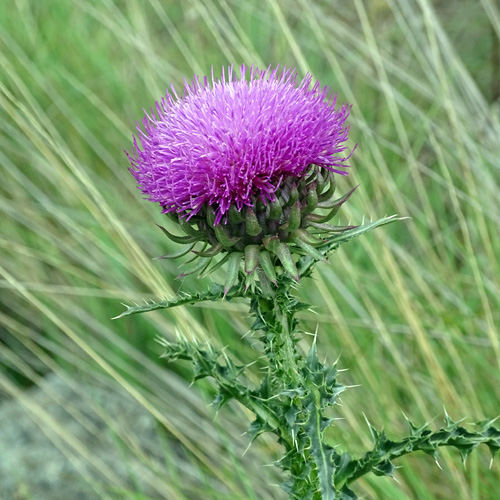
358 231
307 237
322 453
258 427
306 263
309 250
379 460
216 293
322 227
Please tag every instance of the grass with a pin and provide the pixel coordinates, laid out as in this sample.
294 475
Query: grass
413 309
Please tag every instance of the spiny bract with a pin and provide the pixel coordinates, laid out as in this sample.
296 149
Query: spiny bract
241 163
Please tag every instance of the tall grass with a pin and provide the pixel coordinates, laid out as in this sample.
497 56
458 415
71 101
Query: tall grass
413 310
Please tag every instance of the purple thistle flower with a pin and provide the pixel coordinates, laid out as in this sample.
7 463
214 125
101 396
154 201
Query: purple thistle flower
236 139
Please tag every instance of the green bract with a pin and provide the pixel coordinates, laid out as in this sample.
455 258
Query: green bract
262 240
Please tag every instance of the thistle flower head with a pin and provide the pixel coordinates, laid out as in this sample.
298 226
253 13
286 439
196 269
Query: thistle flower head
227 140
242 161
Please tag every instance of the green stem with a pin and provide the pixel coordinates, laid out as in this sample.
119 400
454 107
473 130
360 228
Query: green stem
284 348
301 384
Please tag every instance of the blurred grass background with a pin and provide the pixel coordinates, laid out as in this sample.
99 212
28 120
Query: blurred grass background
412 309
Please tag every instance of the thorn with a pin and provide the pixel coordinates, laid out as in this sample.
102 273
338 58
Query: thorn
446 416
315 336
246 334
493 420
247 448
366 419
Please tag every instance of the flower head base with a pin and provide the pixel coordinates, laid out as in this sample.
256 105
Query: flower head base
242 162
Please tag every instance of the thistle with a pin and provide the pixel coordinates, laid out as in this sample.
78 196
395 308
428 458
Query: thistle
242 164
246 166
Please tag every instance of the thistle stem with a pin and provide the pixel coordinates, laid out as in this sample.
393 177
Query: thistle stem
284 348
295 379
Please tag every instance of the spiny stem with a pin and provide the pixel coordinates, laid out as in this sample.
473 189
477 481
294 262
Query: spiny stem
285 350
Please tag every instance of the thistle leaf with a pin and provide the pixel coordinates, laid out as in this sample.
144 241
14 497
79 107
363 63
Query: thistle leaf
322 453
306 263
309 250
359 230
307 237
330 228
215 293
379 459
